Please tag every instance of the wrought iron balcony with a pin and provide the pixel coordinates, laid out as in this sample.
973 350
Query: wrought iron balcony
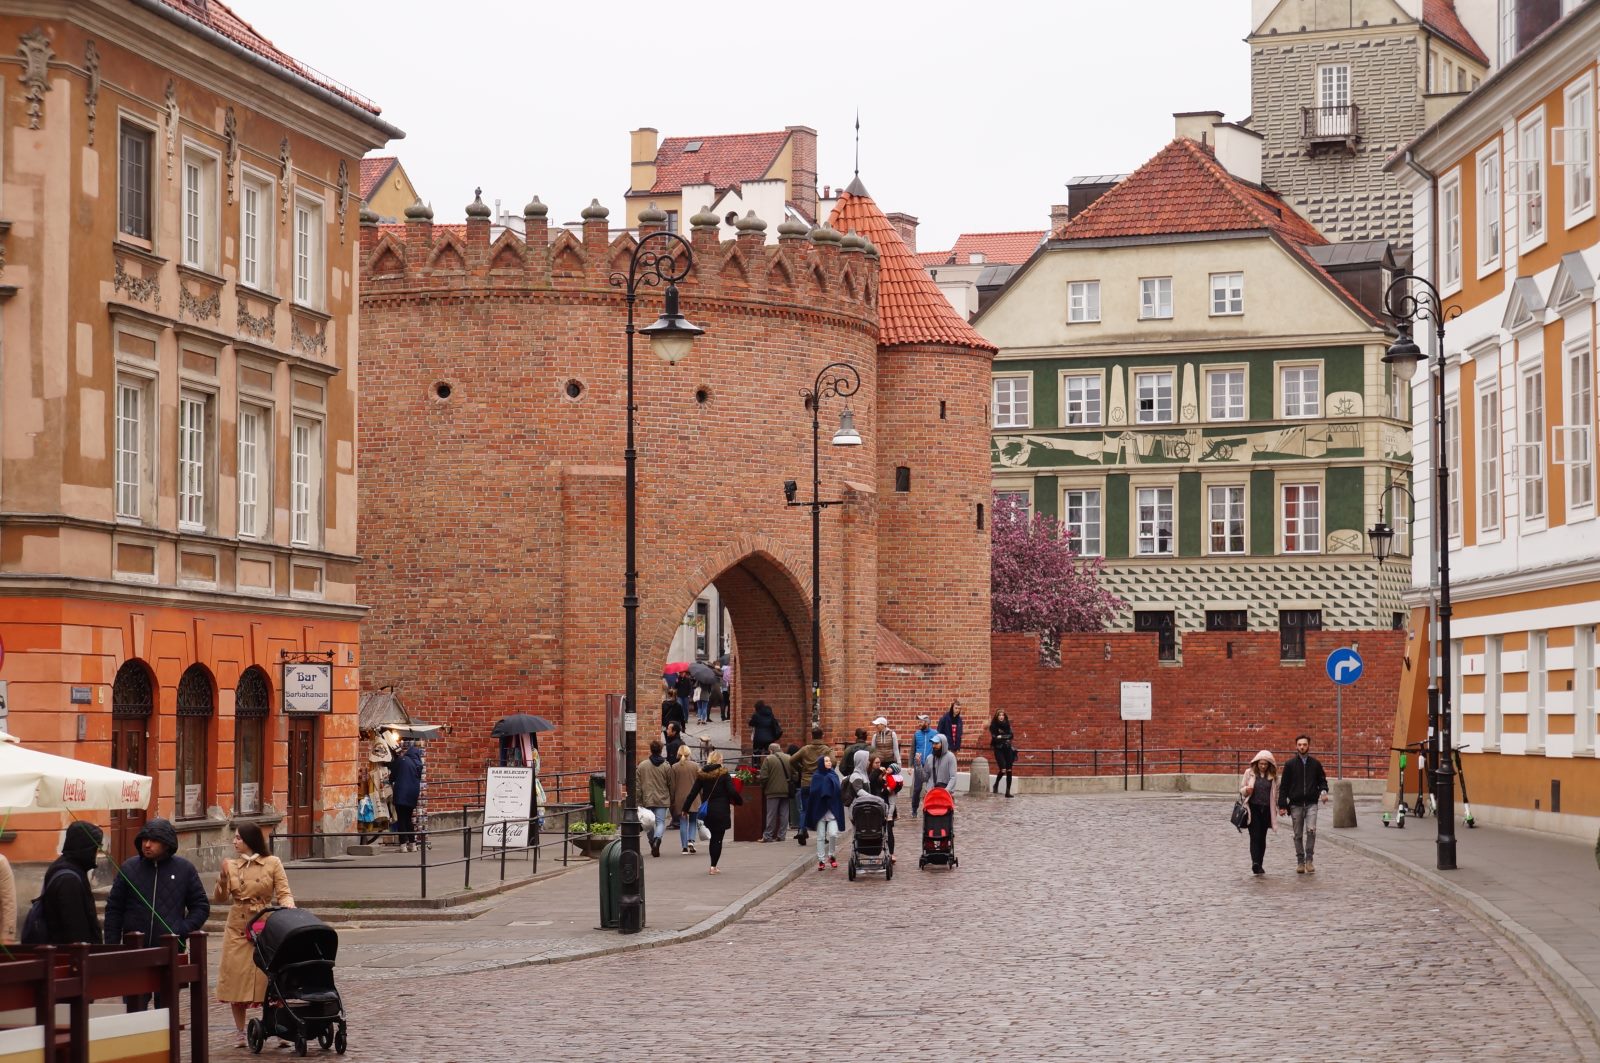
1336 125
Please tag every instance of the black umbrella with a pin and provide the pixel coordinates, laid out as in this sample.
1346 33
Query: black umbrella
703 673
521 724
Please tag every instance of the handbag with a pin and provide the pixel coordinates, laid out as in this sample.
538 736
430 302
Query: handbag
705 807
1240 816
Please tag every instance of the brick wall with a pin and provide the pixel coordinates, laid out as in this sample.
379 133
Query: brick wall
1214 700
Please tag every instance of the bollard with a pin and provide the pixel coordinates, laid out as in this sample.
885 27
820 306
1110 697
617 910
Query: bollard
611 886
1344 803
978 776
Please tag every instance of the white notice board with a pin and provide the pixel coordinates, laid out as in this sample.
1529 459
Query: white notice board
1135 701
507 803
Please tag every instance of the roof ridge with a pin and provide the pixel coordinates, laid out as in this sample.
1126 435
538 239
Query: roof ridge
725 136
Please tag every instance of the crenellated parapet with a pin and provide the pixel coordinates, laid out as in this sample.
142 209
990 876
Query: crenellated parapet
807 270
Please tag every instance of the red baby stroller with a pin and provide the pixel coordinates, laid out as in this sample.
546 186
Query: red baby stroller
938 830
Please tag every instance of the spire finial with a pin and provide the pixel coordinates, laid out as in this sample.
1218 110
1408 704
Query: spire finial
858 142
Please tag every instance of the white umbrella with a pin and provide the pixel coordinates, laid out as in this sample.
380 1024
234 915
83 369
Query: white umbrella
31 781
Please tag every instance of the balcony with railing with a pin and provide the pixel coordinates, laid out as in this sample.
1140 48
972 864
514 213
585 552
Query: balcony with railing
1337 126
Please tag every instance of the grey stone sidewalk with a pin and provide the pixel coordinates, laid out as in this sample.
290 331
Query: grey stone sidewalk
1542 890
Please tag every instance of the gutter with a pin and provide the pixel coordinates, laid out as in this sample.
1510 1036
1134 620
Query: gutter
232 47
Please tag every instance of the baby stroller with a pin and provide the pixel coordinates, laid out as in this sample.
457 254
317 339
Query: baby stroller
938 830
869 851
296 950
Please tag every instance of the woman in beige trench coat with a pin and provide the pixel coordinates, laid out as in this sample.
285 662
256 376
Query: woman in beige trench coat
251 882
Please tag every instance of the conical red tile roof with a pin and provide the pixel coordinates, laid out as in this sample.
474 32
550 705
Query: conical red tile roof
911 308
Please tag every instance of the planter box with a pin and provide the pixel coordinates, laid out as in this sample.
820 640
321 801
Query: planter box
747 817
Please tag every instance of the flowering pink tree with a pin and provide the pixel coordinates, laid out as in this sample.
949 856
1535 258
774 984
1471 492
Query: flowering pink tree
1037 580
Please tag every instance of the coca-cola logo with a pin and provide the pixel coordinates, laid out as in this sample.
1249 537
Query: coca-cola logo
74 790
130 792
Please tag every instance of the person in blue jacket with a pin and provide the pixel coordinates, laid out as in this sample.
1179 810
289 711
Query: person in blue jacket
825 812
155 893
405 777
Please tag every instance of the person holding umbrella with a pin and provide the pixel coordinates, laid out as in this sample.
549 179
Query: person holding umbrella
707 681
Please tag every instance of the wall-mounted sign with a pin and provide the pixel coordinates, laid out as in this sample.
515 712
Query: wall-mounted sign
191 802
82 695
250 798
307 687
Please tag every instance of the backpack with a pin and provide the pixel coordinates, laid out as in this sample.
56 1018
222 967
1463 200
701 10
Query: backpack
35 930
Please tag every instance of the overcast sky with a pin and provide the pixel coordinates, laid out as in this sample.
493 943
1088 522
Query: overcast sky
973 114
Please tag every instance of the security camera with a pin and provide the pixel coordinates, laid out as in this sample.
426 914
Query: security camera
789 490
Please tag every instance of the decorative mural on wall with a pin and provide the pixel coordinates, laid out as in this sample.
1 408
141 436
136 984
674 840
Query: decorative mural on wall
1198 445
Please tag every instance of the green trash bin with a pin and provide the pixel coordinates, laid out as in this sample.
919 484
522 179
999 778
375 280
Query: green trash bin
611 885
597 800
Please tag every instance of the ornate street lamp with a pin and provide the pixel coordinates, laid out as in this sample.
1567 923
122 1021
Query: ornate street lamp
655 261
844 381
1412 298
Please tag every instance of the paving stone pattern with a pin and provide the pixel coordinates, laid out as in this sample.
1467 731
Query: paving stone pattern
1077 928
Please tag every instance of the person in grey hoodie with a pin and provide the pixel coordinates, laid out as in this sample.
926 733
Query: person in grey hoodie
858 779
155 893
942 772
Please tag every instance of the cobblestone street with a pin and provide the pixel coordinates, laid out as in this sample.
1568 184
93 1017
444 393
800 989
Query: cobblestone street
1106 927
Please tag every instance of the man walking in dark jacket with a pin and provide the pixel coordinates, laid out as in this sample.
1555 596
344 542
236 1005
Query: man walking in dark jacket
952 726
68 902
156 893
405 775
1304 783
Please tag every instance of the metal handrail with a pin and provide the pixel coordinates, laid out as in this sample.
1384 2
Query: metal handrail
1093 761
1335 121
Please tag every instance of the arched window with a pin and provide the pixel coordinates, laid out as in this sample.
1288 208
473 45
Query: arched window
251 700
132 693
197 704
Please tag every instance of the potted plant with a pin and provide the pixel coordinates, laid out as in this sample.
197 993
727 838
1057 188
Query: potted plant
591 838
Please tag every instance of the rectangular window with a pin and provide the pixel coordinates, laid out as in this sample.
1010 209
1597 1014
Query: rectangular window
254 450
1538 683
1530 450
1080 399
306 483
1226 505
1302 518
1227 293
130 448
1493 685
1489 209
1450 212
1399 392
1012 503
672 221
1082 520
1227 619
1530 179
1489 458
193 744
192 461
1578 433
1575 143
1154 521
193 214
1292 627
249 738
1333 118
1452 454
308 264
1164 625
1153 391
255 234
1013 406
1225 394
1583 690
1155 297
133 181
1083 301
1508 31
1302 391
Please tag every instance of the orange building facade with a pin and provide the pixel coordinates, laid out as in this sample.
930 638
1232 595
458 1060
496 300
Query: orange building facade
1505 206
178 316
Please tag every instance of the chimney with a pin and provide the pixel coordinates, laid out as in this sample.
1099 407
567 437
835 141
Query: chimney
1238 150
906 226
1195 125
803 169
642 159
1060 214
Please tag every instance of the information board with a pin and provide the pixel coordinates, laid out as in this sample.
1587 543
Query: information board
1135 701
507 804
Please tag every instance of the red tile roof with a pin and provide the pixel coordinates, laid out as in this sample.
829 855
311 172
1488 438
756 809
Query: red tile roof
1440 16
1004 249
374 168
911 309
218 17
892 649
1183 189
719 161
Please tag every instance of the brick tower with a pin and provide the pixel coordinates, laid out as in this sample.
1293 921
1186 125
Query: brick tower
933 479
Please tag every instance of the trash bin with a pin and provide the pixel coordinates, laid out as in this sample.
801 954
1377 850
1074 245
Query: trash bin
597 799
611 886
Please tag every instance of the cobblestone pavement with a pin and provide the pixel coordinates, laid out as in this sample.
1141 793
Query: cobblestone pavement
1077 928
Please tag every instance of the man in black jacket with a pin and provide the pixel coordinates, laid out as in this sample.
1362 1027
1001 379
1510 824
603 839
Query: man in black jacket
1304 783
67 903
156 893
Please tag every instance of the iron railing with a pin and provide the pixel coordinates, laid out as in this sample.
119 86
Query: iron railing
1340 121
1168 760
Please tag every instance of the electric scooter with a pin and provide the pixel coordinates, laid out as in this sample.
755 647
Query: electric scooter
1399 819
1461 781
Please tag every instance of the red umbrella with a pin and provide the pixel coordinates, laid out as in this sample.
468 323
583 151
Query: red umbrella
674 667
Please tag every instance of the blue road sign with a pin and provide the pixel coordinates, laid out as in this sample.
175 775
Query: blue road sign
1344 666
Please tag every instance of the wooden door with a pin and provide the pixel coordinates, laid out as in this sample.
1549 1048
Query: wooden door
128 745
302 783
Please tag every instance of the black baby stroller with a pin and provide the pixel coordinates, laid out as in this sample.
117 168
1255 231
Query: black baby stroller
296 950
869 851
938 830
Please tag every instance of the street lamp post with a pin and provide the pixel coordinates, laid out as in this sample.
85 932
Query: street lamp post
841 379
1409 304
655 261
